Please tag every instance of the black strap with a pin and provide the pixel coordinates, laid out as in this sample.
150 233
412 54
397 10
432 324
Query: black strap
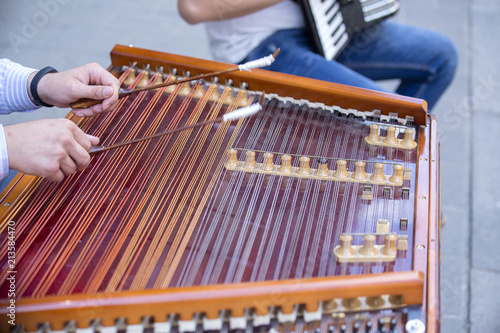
34 86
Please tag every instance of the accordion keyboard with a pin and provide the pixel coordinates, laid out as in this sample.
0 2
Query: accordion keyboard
333 22
330 26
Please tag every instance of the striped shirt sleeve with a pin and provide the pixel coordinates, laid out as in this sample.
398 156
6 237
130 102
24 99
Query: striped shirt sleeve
13 90
4 159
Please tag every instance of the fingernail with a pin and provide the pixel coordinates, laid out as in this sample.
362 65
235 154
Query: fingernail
79 114
107 92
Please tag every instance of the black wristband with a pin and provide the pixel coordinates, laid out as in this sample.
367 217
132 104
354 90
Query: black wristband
34 86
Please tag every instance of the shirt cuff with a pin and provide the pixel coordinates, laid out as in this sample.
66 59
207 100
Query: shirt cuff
4 158
16 96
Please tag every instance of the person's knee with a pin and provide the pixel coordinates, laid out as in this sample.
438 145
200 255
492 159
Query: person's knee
449 57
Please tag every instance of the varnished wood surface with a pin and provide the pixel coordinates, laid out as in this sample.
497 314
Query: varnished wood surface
281 84
419 286
210 299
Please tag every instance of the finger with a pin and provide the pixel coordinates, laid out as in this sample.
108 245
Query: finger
80 157
68 166
50 169
94 140
57 176
79 149
102 77
96 109
82 139
88 112
109 104
97 92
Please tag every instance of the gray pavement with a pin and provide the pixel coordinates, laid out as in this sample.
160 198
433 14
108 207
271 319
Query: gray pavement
69 33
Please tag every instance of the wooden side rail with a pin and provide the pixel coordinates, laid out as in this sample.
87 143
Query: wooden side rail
282 84
210 300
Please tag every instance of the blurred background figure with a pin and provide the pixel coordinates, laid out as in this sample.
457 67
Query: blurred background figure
423 61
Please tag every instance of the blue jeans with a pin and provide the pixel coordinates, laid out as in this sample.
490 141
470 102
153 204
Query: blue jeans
424 61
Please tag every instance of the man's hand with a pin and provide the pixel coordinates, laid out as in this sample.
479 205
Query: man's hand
50 148
88 81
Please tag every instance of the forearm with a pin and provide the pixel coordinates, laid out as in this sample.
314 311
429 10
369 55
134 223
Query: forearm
197 11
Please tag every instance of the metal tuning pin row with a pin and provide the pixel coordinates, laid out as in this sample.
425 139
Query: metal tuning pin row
359 175
215 90
390 139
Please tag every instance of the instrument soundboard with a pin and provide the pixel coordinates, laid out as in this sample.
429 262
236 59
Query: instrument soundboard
318 214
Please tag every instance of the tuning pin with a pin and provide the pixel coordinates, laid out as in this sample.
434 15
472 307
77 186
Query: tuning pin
322 168
408 141
286 164
390 139
341 171
397 174
389 248
373 137
232 159
268 164
250 160
368 248
359 171
368 327
380 326
393 324
304 168
378 173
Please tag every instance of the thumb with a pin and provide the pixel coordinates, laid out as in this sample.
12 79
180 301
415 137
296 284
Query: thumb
98 92
94 140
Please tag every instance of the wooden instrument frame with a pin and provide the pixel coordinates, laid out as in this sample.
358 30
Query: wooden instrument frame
418 287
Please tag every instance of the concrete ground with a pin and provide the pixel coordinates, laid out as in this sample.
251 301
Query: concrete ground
69 33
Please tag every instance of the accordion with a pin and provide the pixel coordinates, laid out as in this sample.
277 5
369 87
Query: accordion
333 22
